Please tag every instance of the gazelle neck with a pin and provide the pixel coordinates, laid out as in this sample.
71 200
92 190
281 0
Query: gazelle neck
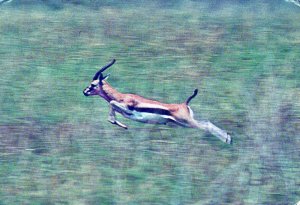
109 93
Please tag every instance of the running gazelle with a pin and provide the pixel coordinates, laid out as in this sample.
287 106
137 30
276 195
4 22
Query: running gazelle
145 110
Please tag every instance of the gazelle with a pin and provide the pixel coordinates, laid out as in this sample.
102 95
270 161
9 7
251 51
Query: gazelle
145 110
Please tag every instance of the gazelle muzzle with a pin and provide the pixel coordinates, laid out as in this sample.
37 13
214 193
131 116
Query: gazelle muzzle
86 93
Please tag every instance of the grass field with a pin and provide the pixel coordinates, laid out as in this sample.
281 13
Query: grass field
56 146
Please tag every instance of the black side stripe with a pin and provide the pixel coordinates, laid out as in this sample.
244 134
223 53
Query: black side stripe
150 110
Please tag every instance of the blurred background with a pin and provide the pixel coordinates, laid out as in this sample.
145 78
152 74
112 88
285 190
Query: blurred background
56 146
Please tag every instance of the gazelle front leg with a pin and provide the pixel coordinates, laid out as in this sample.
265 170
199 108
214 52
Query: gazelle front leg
120 107
112 118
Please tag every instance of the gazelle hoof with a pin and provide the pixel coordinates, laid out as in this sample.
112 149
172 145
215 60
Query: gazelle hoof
228 139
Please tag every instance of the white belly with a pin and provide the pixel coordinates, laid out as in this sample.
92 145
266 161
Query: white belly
148 117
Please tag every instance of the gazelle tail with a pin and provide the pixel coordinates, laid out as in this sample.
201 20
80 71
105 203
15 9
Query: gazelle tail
191 97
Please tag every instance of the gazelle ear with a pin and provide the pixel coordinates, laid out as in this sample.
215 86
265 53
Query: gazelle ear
106 77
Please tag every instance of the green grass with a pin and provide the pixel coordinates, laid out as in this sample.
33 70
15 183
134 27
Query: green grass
56 146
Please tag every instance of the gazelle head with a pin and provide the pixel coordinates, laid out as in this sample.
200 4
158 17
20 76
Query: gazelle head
95 87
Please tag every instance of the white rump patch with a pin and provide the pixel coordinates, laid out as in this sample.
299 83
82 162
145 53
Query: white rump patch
191 112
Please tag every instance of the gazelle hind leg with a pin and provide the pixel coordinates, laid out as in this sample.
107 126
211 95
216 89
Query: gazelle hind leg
112 118
213 129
